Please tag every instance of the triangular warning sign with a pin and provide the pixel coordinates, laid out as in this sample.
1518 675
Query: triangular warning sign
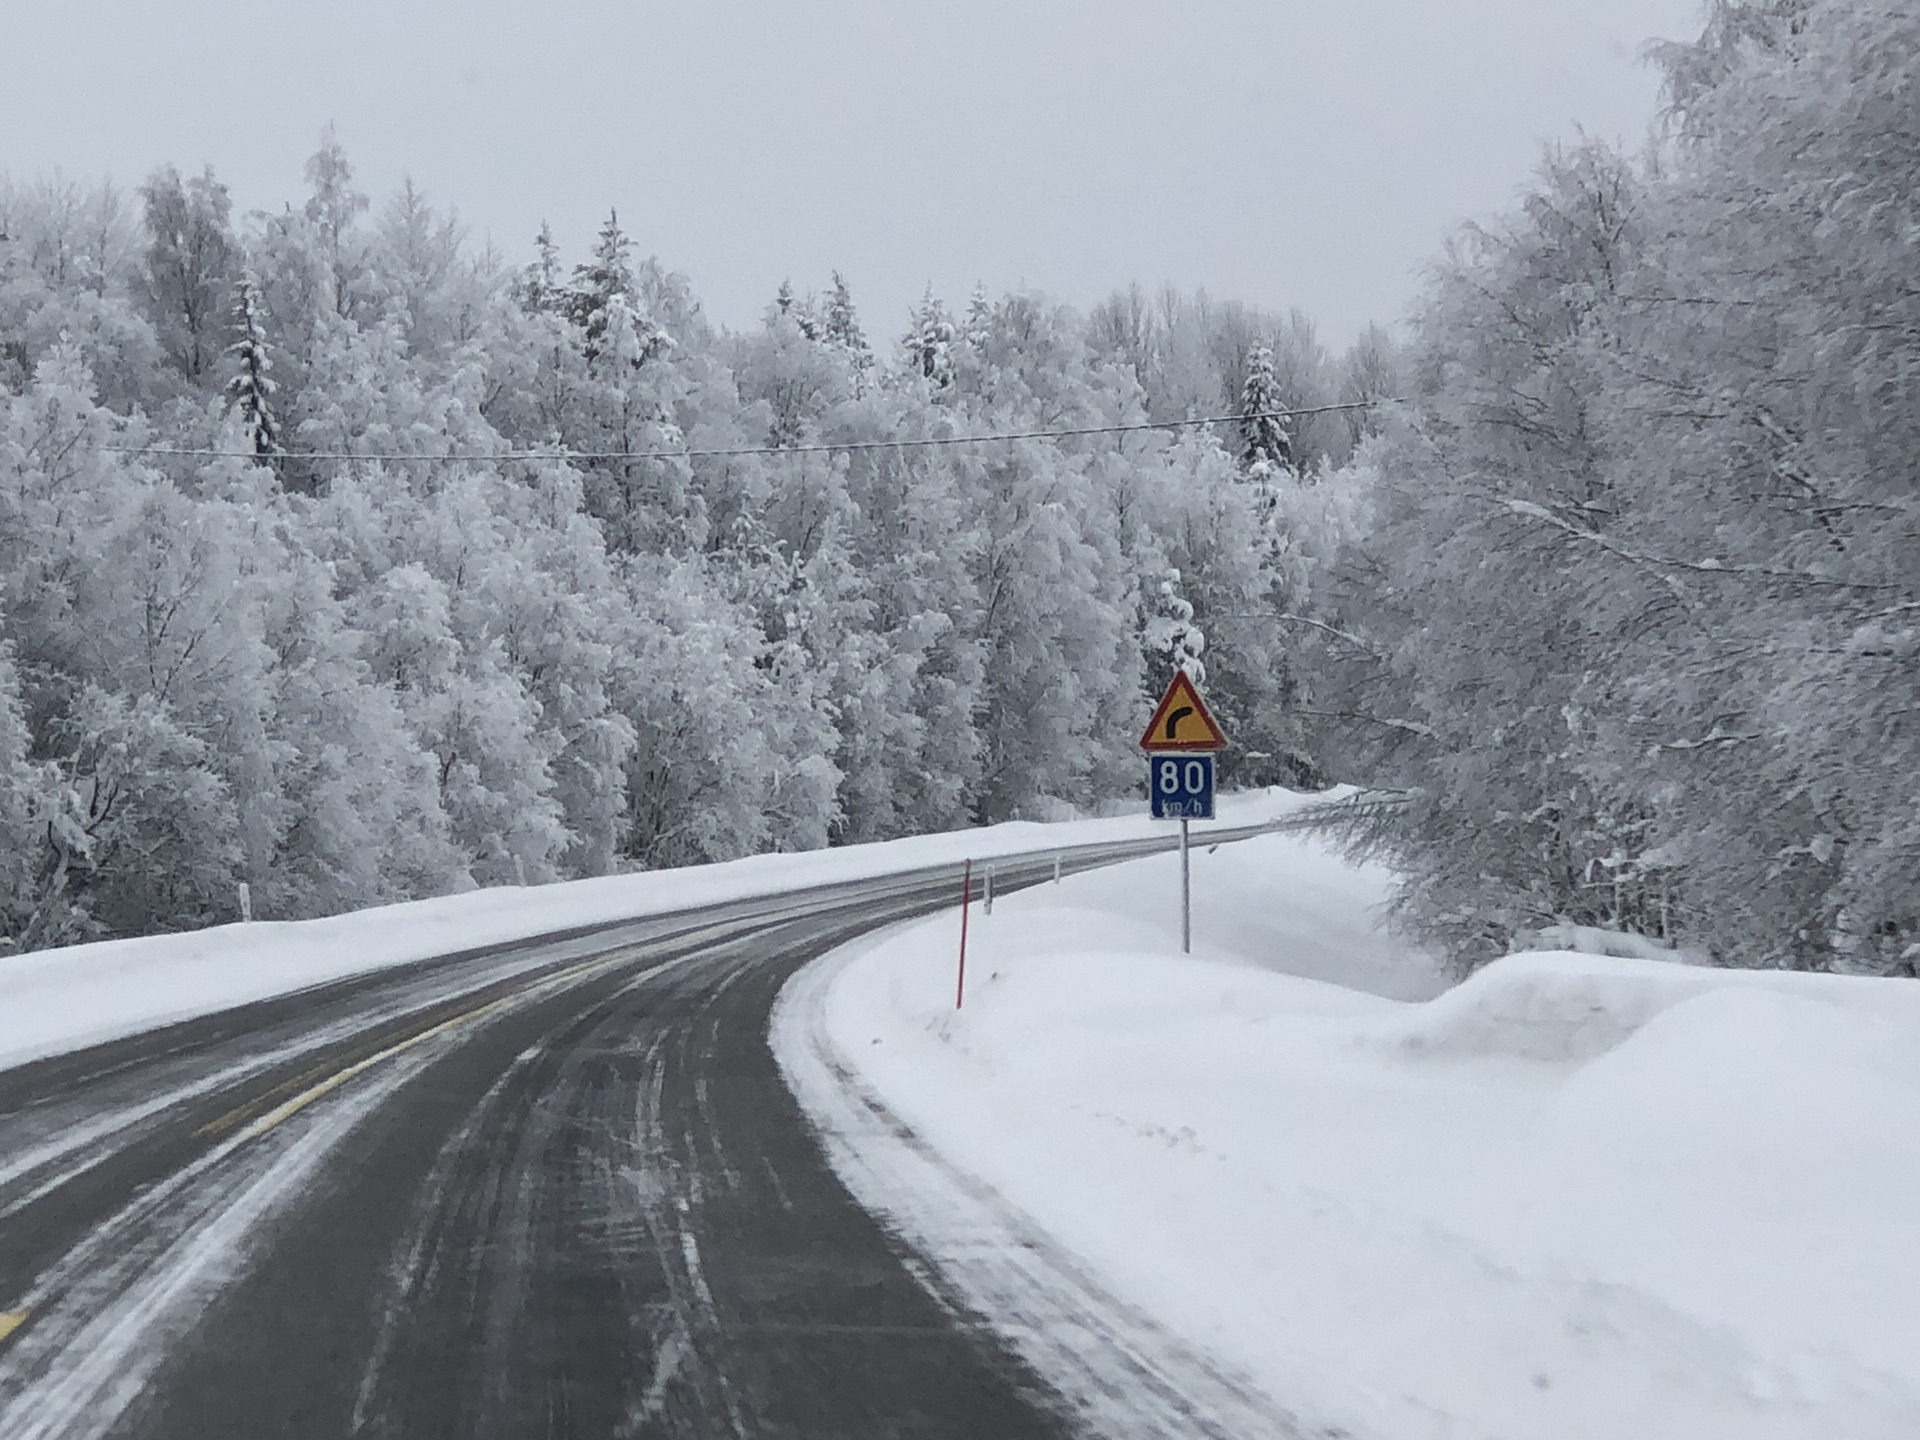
1182 720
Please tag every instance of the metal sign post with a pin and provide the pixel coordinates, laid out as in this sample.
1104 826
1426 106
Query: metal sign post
1180 742
1186 894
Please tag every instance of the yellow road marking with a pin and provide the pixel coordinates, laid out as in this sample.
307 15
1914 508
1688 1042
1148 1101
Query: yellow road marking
12 1320
251 1107
287 1109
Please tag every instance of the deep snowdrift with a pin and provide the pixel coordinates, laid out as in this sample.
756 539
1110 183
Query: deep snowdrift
1574 1197
57 1000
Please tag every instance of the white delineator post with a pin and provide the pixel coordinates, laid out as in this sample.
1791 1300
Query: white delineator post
966 903
246 903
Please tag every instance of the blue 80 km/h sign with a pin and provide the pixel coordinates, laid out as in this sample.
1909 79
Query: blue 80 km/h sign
1181 786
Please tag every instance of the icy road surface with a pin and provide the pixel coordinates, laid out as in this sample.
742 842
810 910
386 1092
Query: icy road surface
554 1187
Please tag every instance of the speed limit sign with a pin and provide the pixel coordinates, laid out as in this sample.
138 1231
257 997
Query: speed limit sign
1181 786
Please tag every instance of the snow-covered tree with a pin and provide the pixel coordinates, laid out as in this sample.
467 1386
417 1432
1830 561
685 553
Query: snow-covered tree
191 260
1172 634
541 284
1630 630
333 210
1370 377
1264 449
929 342
1124 329
804 313
250 387
1055 623
797 380
348 680
71 274
605 279
34 833
423 279
841 325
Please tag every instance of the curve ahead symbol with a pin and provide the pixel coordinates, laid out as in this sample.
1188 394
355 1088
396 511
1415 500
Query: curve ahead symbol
1174 717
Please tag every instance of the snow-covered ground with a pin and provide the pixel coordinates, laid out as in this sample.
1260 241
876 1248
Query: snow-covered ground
1577 1196
52 1001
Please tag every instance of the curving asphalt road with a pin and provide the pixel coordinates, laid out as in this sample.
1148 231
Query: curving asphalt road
552 1189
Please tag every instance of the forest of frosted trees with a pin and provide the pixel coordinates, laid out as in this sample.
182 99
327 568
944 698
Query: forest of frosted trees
1612 605
1633 617
550 633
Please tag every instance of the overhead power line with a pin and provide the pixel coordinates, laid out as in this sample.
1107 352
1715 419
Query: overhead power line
925 442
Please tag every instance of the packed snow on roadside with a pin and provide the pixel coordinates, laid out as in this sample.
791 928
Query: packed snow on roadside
1576 1196
52 1001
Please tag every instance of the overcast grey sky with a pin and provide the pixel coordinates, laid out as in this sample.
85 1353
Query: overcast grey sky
1279 151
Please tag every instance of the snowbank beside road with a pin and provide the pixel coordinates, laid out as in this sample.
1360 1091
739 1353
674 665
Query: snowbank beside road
1574 1197
53 1001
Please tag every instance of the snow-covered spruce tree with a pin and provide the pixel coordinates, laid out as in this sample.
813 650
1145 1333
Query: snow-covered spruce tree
597 284
805 314
1173 640
541 286
319 273
426 284
606 377
1264 449
928 343
841 325
251 386
976 327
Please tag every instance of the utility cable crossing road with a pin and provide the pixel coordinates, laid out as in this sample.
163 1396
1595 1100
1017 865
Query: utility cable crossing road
550 1189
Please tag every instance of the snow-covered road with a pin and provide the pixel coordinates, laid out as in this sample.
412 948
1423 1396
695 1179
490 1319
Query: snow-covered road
448 1197
55 1001
556 1189
1575 1197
